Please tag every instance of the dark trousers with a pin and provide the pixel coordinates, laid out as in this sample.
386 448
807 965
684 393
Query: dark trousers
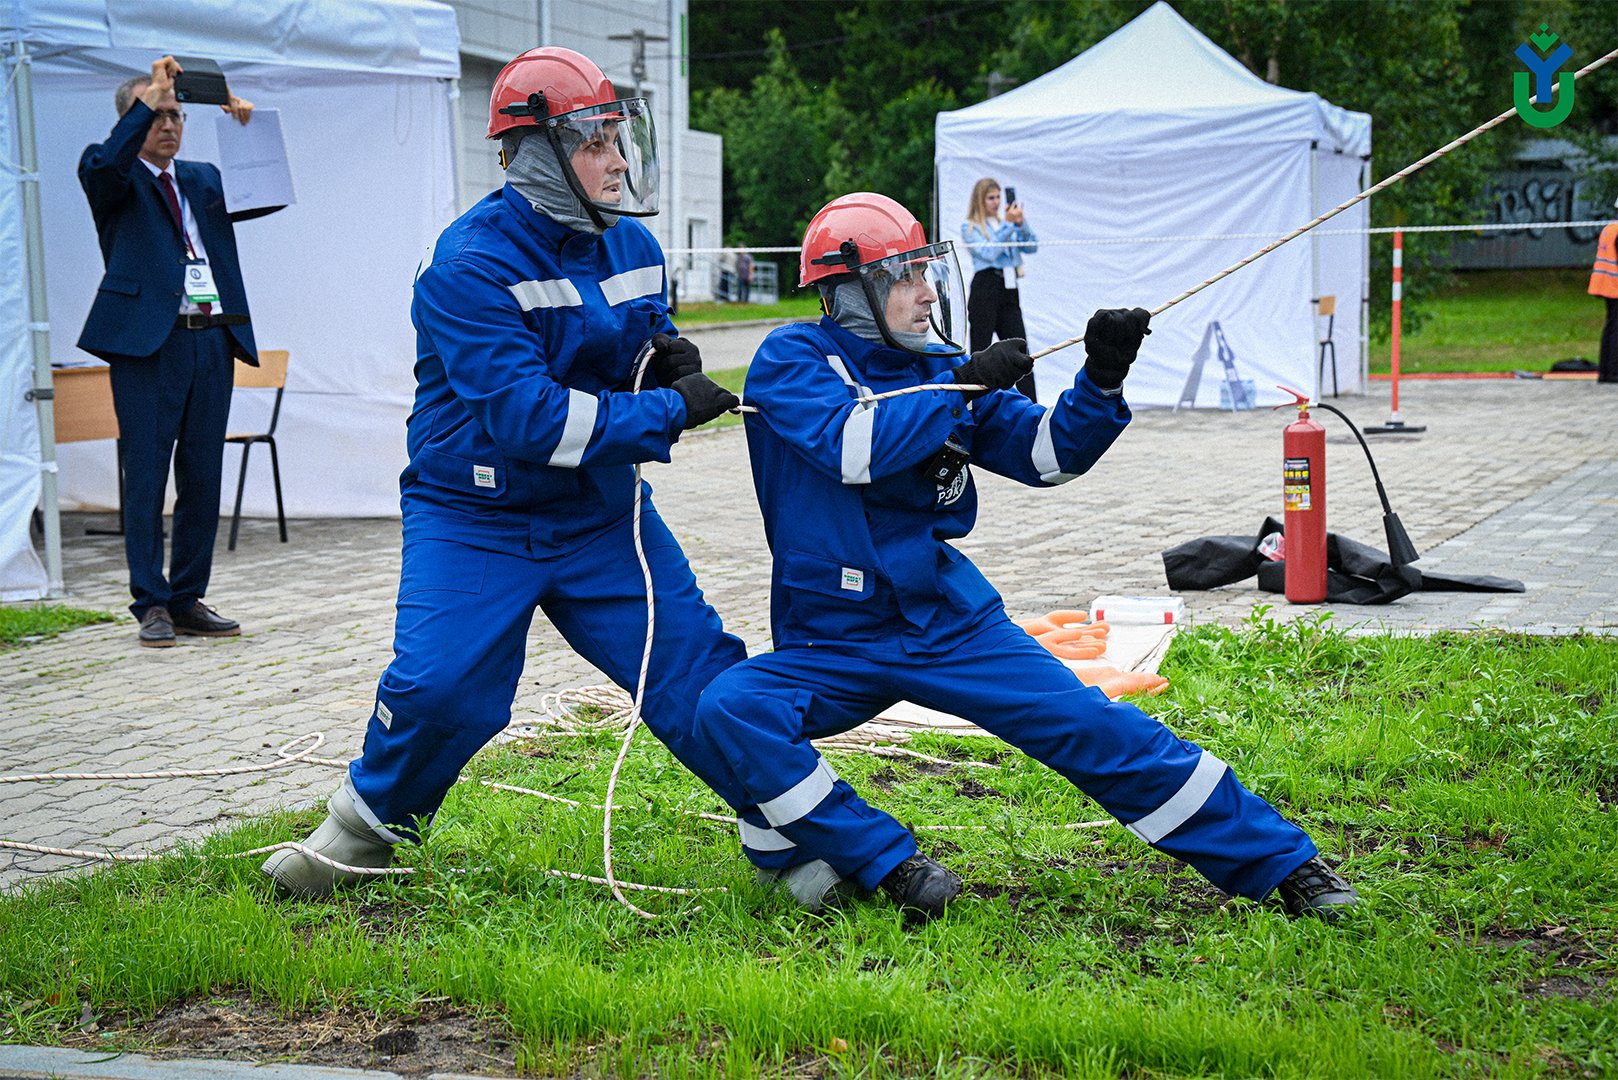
992 311
1609 344
173 404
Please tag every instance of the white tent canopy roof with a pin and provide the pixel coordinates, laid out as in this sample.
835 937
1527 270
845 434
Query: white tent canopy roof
393 37
1157 74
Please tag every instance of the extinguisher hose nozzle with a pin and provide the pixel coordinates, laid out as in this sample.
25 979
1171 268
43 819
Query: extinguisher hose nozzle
1400 550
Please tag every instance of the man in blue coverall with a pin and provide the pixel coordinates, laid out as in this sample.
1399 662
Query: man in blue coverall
530 311
870 604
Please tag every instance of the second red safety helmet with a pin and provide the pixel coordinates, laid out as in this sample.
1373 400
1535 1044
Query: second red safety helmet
874 224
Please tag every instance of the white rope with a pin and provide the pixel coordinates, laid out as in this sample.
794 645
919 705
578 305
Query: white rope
363 871
1481 226
641 362
1453 144
287 758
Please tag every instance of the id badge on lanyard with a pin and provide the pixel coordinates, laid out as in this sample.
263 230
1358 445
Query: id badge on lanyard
1010 273
199 285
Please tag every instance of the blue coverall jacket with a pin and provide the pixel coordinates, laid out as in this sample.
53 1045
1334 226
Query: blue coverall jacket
880 536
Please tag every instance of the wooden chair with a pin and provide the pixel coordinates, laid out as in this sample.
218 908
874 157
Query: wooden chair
1328 308
271 373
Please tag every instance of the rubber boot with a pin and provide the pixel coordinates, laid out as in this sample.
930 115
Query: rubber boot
344 837
814 885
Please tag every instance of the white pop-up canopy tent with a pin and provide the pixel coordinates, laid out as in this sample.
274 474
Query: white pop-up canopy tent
365 91
1156 132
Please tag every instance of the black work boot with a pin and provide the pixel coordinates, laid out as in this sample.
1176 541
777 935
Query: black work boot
922 886
1316 889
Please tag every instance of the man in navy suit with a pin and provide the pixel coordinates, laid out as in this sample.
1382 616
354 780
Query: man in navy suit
170 316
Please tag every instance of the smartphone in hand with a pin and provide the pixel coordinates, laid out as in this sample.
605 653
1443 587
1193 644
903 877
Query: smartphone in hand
200 82
1011 196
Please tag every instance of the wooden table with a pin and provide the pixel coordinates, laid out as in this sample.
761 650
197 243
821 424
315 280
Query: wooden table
84 412
84 404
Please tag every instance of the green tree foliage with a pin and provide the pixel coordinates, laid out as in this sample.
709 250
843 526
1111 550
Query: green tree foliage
780 144
844 96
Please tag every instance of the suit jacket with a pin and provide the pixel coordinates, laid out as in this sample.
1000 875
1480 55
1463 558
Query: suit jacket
140 294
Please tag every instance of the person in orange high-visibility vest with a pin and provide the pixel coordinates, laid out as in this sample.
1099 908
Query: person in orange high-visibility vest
1604 283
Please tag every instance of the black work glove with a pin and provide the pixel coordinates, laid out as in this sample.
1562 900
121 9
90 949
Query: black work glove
674 358
1111 340
998 367
704 399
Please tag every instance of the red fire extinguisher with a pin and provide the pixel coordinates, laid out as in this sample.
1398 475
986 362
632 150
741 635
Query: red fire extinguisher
1303 488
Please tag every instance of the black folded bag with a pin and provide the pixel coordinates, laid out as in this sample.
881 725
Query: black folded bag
1356 573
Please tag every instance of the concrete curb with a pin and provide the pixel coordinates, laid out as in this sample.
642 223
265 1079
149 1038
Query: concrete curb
48 1062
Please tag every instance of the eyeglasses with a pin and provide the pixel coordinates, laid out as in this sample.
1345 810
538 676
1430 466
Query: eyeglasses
169 116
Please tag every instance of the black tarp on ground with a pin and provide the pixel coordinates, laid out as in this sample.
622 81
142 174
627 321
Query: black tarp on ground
1356 573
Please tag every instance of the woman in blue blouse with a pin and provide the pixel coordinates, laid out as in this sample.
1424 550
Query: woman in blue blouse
993 307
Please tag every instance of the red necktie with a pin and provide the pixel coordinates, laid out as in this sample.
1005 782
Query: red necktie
179 221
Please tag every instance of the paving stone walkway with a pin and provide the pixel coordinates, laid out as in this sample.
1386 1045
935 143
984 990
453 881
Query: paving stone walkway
1513 478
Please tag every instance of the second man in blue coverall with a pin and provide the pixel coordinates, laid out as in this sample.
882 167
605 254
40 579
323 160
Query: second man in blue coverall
871 605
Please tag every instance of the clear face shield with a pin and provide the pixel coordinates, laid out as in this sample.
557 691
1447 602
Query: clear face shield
919 299
609 155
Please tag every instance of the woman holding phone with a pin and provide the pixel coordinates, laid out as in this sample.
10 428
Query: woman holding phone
993 307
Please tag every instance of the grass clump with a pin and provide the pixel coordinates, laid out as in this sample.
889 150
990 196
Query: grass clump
1466 782
20 624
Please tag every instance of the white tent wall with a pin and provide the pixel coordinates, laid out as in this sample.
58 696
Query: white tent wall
365 90
21 575
1342 267
1265 317
328 279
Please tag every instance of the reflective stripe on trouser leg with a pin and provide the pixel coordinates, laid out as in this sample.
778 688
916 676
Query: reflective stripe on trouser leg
1137 769
761 716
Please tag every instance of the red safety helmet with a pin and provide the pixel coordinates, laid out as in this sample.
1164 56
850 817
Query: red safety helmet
564 81
880 244
875 225
563 93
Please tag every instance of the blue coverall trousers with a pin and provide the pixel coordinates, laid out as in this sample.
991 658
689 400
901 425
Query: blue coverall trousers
462 625
1171 793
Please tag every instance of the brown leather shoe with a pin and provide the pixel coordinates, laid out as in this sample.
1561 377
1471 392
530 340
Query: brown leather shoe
200 620
157 628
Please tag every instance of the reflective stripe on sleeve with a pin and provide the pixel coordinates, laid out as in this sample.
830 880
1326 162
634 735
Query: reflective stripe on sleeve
801 797
1191 797
576 430
1043 454
763 839
558 292
858 430
647 281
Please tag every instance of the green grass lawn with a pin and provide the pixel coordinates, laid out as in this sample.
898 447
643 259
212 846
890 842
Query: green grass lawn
802 306
1501 320
1467 783
22 622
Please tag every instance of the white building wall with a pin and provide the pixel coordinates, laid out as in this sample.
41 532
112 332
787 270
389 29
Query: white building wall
494 31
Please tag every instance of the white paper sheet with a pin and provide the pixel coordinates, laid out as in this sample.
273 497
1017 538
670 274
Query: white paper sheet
253 161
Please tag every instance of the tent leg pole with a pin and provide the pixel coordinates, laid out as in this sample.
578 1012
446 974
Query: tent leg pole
1314 272
43 394
1365 285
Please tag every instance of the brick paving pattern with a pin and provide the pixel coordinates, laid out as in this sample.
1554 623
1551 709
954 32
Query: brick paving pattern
1513 478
